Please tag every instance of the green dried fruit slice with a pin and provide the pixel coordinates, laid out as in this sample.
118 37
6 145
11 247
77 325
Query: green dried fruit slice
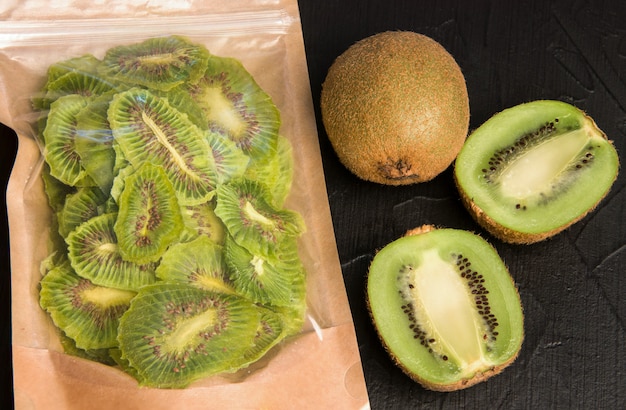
269 334
87 64
180 99
94 142
245 208
87 313
275 171
80 207
158 63
56 191
78 82
230 161
149 218
235 106
263 279
96 355
174 334
148 129
198 263
445 307
60 140
94 254
201 220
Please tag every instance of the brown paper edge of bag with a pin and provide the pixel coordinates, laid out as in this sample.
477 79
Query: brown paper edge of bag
320 368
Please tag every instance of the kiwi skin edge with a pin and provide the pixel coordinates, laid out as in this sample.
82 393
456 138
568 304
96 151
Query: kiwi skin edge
463 383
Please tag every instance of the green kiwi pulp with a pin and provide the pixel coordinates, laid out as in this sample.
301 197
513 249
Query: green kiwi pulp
533 170
445 307
136 148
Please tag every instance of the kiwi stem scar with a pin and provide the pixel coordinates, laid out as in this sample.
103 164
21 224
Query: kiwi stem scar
535 171
445 309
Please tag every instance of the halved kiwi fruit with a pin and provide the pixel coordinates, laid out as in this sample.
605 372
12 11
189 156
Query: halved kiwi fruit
533 170
445 307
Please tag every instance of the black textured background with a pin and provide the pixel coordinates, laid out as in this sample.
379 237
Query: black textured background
573 287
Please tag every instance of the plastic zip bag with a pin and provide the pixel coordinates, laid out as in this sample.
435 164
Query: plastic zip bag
321 364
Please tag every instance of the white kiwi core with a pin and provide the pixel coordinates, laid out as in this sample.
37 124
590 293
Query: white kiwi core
444 308
538 169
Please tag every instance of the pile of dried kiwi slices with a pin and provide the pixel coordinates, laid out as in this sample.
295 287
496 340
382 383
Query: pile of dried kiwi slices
173 255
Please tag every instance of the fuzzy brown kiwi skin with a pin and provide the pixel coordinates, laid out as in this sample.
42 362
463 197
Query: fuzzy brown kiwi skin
461 384
395 108
512 236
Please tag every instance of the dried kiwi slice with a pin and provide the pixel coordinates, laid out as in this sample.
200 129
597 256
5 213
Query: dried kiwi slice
230 161
445 307
87 313
246 210
269 333
149 218
94 142
157 63
80 207
174 334
94 254
261 278
60 140
235 106
148 129
533 170
201 220
275 171
200 263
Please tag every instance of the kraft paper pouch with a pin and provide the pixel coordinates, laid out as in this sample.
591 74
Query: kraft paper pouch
319 367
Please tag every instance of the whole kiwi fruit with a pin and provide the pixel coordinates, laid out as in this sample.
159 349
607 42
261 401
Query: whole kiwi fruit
395 107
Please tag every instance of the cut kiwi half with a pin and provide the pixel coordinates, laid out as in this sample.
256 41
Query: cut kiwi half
445 307
535 169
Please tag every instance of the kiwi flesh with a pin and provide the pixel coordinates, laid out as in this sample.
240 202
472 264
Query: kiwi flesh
395 107
445 307
533 170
